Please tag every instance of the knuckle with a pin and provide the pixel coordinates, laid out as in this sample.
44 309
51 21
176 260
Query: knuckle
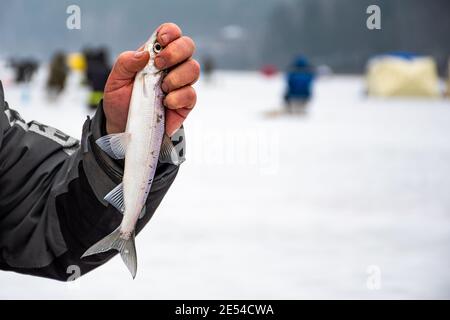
195 68
172 80
177 100
121 62
167 54
189 43
191 95
170 101
123 57
169 27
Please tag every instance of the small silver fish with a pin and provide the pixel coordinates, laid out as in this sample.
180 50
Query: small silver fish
141 145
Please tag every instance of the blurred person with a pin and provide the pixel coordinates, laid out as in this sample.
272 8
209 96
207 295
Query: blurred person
208 67
52 186
57 76
24 69
77 62
97 73
300 78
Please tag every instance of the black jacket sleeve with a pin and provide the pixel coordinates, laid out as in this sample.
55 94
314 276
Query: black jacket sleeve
51 195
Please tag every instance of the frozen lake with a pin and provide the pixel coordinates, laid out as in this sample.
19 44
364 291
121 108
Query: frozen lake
350 201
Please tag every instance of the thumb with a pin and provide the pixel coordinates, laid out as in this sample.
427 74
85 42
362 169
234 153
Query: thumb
126 67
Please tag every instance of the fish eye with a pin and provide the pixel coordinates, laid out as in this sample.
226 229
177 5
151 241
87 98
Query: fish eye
157 48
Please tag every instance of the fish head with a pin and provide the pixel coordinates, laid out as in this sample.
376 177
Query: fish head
154 48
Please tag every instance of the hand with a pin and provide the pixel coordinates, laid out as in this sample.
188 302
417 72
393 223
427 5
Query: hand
184 72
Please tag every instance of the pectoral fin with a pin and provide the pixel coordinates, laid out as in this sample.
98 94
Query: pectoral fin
115 145
143 212
168 153
115 198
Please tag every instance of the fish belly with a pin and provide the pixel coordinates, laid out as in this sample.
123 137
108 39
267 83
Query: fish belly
146 116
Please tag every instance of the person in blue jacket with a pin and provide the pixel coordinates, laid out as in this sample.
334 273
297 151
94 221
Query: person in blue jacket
300 79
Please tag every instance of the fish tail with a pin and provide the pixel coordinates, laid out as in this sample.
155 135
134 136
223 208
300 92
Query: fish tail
127 249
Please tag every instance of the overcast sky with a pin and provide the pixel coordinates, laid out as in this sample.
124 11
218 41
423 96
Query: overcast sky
38 27
238 33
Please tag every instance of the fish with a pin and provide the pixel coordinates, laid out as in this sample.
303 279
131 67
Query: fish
142 145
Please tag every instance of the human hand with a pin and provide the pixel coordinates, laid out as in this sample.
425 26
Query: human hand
183 73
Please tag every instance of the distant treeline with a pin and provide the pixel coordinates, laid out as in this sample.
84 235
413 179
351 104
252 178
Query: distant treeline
331 32
334 32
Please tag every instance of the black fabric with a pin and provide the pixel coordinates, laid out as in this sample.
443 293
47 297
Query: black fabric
51 196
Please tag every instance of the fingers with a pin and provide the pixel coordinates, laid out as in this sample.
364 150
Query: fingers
181 98
125 68
167 33
183 75
174 119
179 104
175 52
129 63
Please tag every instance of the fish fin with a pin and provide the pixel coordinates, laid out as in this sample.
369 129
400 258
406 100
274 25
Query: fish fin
107 243
128 254
127 249
115 198
143 212
168 153
115 145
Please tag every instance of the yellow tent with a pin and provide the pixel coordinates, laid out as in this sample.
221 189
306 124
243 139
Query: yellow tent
448 80
389 76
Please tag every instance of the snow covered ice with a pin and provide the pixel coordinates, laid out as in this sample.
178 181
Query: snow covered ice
282 208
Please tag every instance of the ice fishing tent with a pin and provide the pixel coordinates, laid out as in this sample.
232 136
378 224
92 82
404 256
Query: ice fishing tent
402 74
448 80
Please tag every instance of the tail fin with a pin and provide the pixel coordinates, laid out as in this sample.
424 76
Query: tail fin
127 249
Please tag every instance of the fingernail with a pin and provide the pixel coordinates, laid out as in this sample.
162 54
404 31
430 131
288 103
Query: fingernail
139 54
164 39
160 62
165 87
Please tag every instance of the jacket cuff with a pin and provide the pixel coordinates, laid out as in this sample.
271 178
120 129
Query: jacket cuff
105 173
102 171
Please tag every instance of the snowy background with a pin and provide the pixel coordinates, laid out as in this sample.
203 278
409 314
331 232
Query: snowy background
350 201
